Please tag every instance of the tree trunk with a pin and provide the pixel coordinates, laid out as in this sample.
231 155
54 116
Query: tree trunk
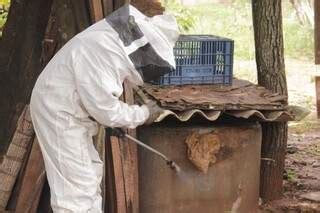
28 43
267 21
19 60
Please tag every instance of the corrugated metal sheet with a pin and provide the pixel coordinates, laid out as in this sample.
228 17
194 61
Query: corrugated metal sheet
241 100
213 115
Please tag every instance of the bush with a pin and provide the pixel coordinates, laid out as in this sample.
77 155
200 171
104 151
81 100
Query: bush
235 21
183 15
4 8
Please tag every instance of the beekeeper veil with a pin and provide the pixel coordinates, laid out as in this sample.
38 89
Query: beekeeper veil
148 42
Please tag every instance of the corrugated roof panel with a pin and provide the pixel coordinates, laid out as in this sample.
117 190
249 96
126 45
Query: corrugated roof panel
241 100
243 95
212 115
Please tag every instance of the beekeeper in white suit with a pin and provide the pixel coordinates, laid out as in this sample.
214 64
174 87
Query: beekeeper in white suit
83 80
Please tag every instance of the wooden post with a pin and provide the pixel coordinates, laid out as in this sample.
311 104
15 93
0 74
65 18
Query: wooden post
268 34
16 154
120 196
317 31
108 7
33 180
129 153
317 50
317 81
96 10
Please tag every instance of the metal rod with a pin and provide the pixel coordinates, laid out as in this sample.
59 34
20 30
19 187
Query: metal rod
147 147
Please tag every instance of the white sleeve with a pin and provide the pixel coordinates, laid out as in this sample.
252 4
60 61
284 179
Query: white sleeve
98 90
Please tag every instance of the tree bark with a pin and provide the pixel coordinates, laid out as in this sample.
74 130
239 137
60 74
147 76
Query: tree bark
268 33
20 48
28 43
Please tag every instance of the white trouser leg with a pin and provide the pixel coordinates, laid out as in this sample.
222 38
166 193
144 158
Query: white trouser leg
73 167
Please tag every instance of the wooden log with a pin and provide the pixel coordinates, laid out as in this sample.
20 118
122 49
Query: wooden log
107 7
129 155
96 10
109 198
99 143
120 196
122 170
317 81
10 167
115 198
119 3
32 183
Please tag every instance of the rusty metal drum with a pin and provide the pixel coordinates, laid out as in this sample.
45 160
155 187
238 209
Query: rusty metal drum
220 167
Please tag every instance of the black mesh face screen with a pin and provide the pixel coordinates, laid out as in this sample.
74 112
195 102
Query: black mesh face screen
145 59
149 64
125 25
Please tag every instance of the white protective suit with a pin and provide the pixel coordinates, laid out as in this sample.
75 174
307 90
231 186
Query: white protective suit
85 79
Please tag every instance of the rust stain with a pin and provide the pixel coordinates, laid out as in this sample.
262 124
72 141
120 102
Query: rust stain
202 149
242 95
241 100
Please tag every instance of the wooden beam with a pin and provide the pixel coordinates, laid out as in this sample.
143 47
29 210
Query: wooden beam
96 10
107 7
16 154
129 154
317 31
33 182
119 3
118 176
317 81
115 194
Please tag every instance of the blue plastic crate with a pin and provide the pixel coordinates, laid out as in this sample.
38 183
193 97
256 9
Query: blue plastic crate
201 59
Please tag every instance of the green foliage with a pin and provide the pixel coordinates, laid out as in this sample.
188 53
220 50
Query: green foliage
184 17
4 8
235 21
291 175
298 39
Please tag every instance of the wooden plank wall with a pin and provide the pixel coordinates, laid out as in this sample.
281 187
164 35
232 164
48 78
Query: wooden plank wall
16 154
32 183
